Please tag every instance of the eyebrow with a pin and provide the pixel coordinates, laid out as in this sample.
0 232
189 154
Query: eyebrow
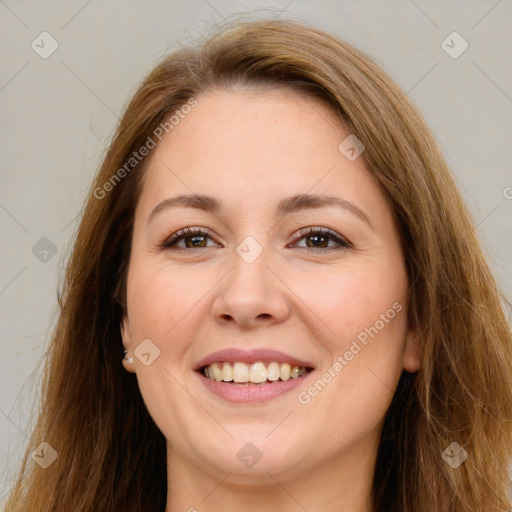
284 207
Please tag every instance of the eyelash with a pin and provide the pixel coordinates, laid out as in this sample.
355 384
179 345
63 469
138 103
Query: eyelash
170 243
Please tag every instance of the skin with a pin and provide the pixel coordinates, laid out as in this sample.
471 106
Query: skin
251 148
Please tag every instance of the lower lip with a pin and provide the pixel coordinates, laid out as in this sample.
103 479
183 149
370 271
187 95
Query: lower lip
250 393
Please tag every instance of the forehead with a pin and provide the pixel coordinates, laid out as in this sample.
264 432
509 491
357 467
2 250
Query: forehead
259 145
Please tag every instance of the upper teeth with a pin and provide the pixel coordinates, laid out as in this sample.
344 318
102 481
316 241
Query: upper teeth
256 372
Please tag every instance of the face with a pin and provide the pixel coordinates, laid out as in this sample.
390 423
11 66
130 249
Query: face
261 282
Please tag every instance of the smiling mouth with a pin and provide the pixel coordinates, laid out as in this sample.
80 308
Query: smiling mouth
258 373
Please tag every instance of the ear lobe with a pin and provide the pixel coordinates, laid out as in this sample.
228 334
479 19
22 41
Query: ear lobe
127 342
413 352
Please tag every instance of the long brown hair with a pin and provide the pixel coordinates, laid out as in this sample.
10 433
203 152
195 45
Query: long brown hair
111 455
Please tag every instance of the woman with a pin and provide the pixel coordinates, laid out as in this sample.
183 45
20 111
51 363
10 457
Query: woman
275 242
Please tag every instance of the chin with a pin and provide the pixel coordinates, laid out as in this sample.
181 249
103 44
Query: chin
249 457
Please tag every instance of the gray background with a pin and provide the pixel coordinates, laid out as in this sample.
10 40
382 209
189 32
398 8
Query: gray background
58 114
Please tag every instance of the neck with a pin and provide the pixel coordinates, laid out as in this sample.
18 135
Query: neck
342 483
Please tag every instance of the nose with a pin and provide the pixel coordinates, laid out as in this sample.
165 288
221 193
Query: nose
251 295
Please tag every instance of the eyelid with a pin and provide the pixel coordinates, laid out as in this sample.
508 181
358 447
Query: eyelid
181 234
311 230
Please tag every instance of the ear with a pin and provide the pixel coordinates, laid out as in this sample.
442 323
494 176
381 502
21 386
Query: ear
413 353
126 335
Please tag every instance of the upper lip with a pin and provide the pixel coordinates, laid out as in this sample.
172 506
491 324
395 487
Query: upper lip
250 356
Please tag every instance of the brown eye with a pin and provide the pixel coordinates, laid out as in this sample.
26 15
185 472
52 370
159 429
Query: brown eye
193 238
319 238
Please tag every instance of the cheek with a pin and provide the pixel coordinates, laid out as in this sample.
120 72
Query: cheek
159 298
350 298
364 309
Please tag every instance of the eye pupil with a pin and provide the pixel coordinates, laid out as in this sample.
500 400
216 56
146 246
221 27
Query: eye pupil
194 239
317 237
